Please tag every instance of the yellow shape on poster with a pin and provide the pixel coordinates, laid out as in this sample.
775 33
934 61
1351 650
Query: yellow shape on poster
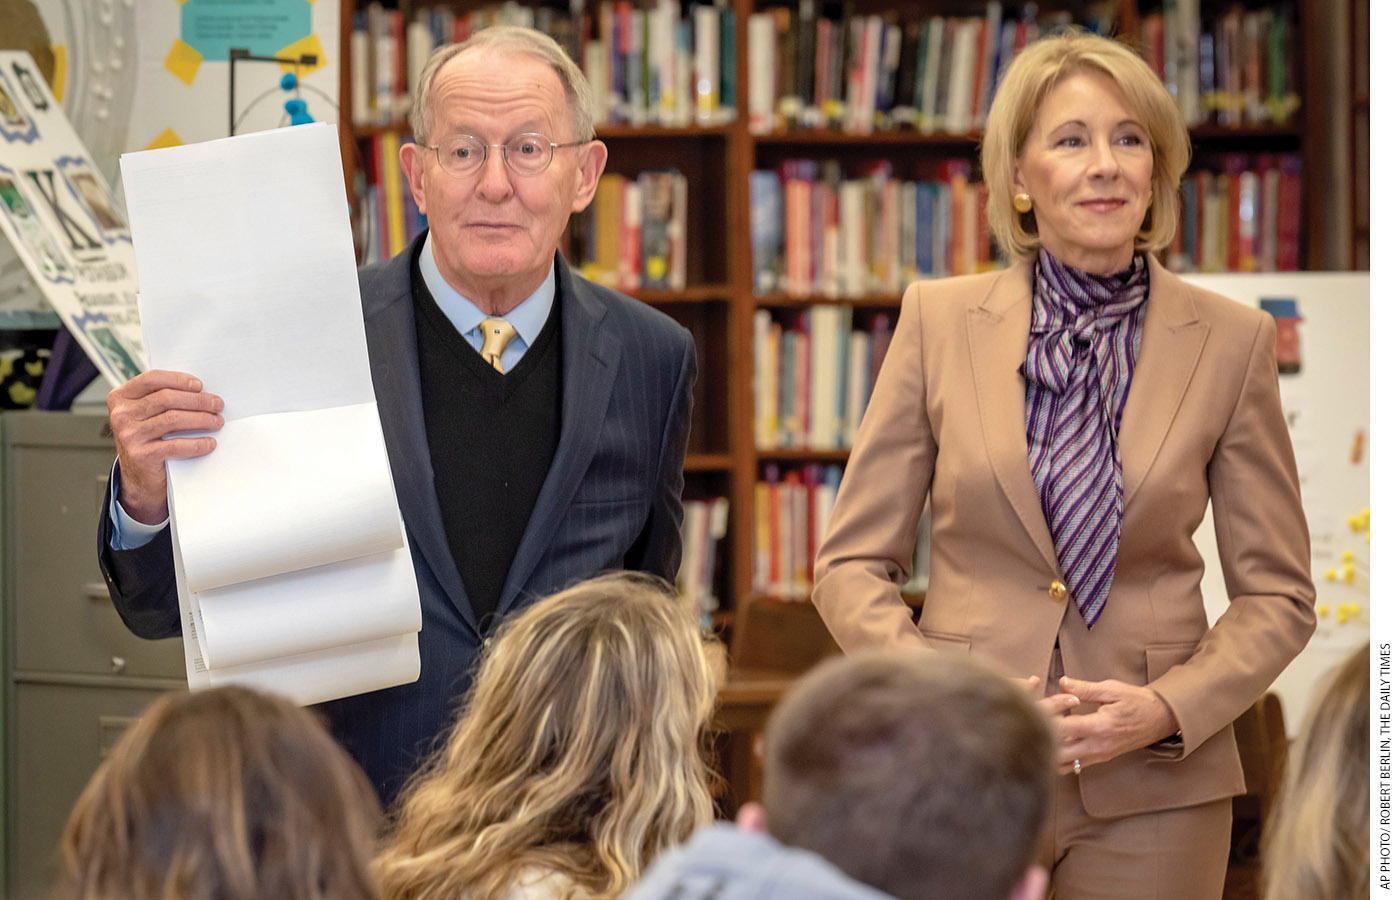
167 138
22 394
309 44
1348 556
183 61
1322 611
60 70
1354 523
1349 573
1330 574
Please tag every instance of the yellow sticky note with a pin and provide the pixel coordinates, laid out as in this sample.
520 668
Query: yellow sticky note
183 61
309 44
167 138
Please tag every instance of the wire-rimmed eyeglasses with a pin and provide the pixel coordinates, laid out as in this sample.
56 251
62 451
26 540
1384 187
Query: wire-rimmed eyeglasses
526 154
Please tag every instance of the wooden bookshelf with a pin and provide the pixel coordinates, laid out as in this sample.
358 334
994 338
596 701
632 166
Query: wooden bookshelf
718 303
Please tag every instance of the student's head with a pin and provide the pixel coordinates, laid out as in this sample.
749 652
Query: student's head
926 775
1037 141
1317 839
496 202
578 750
224 793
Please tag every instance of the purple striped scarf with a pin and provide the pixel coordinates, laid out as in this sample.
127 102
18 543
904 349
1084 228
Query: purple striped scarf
1085 336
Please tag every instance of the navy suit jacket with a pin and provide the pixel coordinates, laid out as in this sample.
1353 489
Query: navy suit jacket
611 499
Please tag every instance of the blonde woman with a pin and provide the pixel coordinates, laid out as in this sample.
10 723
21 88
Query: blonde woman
1316 841
576 758
222 794
1068 420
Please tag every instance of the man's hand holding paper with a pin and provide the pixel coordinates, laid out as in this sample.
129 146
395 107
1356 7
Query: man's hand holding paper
144 412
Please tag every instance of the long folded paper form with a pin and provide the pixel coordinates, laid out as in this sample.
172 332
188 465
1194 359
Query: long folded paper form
292 566
342 502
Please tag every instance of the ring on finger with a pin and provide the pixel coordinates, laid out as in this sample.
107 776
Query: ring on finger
1077 767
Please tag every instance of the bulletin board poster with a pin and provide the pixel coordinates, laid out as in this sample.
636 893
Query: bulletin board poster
1323 350
182 71
58 213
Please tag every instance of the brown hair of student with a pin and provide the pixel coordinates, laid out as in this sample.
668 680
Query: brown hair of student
1317 838
925 775
222 794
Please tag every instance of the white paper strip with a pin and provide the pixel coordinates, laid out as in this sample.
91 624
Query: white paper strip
292 567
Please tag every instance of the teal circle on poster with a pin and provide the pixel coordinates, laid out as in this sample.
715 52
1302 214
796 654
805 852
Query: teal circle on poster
262 26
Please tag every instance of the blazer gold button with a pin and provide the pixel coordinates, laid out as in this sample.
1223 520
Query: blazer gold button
1058 591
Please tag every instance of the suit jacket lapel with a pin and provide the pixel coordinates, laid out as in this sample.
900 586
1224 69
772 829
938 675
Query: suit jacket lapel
591 351
392 336
1172 340
998 330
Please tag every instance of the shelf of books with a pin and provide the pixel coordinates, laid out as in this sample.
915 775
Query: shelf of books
779 172
844 213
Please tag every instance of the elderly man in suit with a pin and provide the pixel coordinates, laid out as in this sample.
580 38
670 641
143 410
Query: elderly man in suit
536 423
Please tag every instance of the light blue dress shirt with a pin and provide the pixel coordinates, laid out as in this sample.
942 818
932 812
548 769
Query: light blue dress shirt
527 319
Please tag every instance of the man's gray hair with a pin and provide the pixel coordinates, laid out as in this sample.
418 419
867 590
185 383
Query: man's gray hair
512 39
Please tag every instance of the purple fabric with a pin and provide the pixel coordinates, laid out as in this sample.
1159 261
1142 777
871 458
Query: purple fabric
1084 340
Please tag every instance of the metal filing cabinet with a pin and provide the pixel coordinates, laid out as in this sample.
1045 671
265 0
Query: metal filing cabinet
74 676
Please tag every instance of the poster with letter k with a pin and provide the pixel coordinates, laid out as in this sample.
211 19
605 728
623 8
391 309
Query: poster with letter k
58 211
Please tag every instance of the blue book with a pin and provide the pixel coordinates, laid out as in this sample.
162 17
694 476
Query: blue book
787 391
924 200
766 230
728 60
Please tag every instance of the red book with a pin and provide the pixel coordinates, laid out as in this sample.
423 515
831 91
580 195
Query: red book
797 177
1154 43
979 67
394 18
1235 165
1290 211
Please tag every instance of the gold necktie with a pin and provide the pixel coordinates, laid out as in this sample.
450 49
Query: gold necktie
497 333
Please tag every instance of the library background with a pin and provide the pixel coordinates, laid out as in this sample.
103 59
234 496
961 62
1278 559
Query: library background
777 174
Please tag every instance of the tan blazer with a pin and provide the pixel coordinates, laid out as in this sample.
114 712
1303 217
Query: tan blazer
1202 422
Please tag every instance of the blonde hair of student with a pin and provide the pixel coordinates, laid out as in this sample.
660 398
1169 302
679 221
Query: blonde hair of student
508 39
222 794
1031 76
1317 838
578 751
